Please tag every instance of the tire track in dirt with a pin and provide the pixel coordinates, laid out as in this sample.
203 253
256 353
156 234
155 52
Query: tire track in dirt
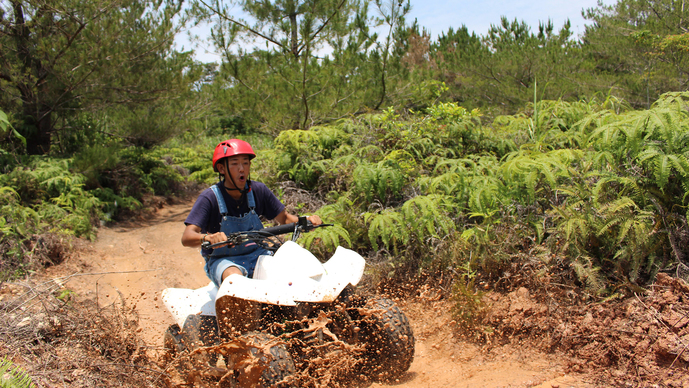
136 260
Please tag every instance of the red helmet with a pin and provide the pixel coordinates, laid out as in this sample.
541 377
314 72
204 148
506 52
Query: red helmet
232 147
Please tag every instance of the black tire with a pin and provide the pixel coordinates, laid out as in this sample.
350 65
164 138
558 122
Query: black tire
276 363
389 340
348 298
199 330
172 341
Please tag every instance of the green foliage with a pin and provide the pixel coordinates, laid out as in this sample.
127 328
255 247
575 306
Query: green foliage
608 183
287 84
71 213
12 376
474 183
17 223
300 154
468 305
530 171
7 131
427 216
131 172
87 57
616 194
412 226
448 112
503 66
388 226
322 242
382 181
55 195
639 46
49 197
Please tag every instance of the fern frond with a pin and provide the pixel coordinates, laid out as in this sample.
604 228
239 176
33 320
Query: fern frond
329 138
448 184
680 163
335 211
485 194
455 166
588 274
384 180
662 170
297 141
676 100
621 204
388 226
8 194
421 148
12 376
330 237
427 215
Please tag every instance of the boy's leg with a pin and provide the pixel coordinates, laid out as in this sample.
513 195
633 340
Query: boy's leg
216 269
230 271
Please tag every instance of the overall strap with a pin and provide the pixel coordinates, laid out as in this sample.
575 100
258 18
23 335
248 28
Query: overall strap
250 199
221 201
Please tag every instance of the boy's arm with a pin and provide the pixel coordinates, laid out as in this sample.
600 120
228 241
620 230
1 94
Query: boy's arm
193 238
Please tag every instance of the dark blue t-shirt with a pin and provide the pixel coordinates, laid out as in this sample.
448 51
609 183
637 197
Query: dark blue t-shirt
206 213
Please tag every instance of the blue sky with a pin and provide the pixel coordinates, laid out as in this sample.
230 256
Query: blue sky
439 15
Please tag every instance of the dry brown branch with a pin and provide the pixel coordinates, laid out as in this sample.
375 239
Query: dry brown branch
57 338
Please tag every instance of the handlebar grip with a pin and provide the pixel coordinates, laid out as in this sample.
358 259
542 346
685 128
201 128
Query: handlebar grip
277 230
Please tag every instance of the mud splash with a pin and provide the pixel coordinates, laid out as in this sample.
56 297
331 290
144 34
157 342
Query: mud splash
306 353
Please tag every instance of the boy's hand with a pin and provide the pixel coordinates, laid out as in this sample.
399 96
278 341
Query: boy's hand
315 219
217 238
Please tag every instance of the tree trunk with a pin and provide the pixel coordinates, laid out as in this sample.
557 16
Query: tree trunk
37 125
37 128
294 34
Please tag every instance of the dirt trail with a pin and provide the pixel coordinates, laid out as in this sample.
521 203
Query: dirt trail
138 261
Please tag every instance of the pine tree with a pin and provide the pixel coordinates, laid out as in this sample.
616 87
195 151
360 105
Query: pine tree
306 61
63 57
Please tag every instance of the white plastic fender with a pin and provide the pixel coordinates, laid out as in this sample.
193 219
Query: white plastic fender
292 275
182 302
290 261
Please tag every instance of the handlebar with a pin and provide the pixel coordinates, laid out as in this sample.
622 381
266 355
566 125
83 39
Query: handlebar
278 230
259 236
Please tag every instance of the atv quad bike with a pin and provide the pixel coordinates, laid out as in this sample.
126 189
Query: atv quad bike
265 327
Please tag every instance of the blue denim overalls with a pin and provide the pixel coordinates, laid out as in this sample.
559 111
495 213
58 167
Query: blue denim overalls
244 255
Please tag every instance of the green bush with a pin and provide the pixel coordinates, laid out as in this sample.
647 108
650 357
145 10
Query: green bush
608 184
45 201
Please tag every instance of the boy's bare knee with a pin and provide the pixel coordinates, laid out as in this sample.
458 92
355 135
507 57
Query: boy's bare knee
231 270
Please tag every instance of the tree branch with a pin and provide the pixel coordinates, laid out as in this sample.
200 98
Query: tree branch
312 37
229 19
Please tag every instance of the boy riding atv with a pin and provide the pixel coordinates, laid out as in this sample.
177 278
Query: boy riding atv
233 205
271 302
